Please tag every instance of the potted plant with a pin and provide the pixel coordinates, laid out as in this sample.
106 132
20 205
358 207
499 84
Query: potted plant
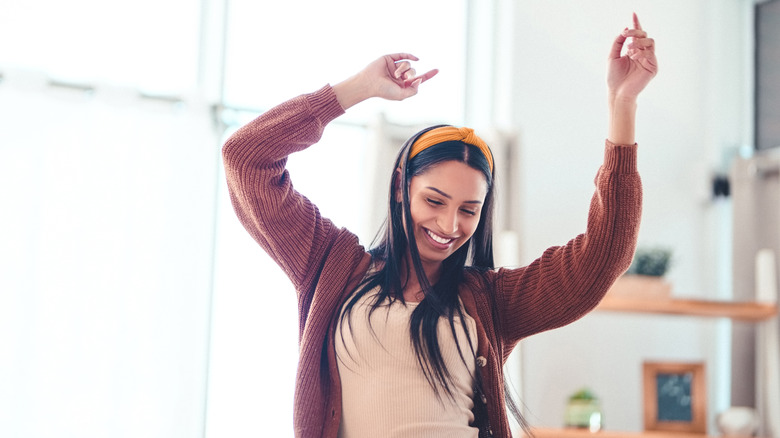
644 278
584 411
651 262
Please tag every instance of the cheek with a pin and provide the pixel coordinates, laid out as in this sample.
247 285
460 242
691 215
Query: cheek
419 211
471 226
415 217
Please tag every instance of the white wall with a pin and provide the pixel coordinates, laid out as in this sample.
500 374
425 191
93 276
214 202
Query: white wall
691 115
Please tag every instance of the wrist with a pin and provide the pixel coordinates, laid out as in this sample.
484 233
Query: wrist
350 92
622 120
618 100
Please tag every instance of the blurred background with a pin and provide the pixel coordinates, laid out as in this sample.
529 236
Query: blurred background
132 303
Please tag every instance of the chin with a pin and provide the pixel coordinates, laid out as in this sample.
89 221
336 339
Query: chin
429 255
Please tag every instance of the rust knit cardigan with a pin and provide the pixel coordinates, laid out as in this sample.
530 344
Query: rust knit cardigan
326 263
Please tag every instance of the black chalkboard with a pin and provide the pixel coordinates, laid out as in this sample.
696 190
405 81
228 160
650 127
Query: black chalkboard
674 396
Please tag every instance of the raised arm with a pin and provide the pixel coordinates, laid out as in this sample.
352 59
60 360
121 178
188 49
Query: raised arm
627 75
284 222
568 281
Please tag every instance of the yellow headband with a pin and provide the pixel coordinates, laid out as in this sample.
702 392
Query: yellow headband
451 133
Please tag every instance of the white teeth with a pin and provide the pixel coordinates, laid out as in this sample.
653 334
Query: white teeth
438 239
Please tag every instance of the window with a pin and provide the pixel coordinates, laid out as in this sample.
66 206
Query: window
144 44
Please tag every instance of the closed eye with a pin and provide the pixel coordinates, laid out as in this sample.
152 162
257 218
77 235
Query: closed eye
434 202
469 212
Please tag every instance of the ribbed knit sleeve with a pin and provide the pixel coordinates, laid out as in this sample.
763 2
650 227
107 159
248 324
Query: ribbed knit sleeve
324 262
284 222
568 281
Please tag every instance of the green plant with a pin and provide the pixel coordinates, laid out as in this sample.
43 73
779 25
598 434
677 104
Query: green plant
651 261
583 394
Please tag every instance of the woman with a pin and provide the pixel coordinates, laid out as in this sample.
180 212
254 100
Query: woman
409 338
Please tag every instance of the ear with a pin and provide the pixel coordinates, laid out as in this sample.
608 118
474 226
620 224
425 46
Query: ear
399 195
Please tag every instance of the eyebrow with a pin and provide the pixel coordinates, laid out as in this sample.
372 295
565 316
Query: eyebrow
450 197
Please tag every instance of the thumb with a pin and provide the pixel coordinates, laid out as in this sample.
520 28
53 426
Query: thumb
408 92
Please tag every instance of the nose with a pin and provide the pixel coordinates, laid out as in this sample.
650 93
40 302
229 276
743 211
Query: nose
448 222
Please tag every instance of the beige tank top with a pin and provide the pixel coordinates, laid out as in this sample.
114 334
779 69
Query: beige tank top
384 391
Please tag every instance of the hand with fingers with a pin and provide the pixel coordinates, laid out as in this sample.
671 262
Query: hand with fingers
390 77
629 73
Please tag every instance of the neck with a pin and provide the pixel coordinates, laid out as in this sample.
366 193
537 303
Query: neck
412 290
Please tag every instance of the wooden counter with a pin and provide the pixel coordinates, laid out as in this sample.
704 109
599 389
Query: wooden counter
583 433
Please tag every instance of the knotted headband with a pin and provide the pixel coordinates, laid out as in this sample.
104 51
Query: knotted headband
451 133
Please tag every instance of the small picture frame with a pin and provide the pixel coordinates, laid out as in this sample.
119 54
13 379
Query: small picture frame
675 397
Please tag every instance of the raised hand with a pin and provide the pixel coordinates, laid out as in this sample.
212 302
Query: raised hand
390 77
628 74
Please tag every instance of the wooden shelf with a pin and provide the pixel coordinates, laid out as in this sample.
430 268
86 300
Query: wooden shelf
744 311
583 433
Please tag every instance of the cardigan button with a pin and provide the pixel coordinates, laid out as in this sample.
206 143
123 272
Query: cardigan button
481 361
484 399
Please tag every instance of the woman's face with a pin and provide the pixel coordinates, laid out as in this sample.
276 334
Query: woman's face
446 204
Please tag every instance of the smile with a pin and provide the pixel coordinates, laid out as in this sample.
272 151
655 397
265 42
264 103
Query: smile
438 239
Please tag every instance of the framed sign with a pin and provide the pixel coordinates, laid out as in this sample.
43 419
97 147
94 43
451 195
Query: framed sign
675 397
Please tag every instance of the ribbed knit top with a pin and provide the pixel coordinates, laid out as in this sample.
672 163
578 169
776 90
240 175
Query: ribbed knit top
326 263
385 393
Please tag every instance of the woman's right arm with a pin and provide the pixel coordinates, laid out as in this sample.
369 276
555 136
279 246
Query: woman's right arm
285 223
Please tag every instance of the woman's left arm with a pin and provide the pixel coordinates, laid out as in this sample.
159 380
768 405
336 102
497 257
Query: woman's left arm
568 281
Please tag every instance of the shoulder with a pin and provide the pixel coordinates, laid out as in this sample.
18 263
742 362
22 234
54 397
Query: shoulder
346 257
479 282
345 248
488 278
495 285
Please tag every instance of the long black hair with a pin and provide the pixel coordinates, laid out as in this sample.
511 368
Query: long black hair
394 241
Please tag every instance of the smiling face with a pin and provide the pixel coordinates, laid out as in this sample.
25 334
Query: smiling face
446 204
